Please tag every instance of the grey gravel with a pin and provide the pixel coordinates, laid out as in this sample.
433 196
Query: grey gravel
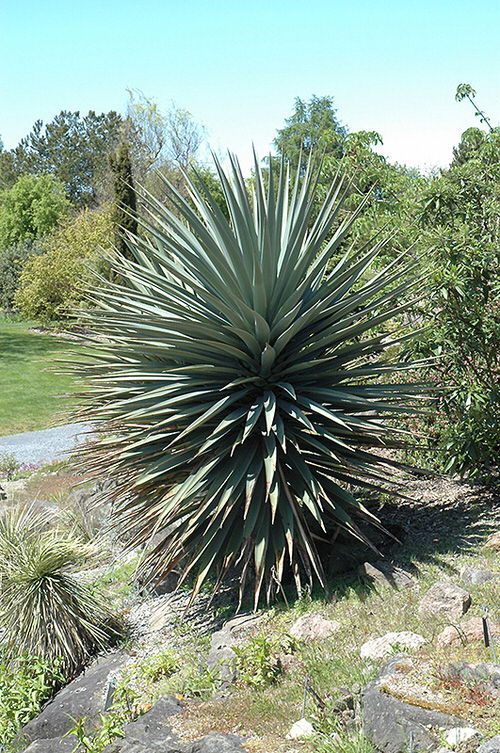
47 445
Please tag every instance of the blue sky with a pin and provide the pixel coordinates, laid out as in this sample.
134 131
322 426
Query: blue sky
391 65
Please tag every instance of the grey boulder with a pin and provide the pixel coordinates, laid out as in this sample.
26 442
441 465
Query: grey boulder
221 656
475 576
485 674
390 723
384 574
152 726
150 733
445 600
148 746
84 696
490 746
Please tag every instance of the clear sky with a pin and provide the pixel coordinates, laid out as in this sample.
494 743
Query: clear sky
391 65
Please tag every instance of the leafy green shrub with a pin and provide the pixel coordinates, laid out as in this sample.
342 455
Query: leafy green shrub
32 208
159 666
461 220
244 384
8 466
12 259
52 283
199 682
25 685
98 738
44 610
95 739
256 662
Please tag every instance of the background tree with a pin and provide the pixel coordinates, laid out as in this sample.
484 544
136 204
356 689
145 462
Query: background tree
185 137
8 172
33 207
164 141
465 91
75 149
393 189
312 127
125 205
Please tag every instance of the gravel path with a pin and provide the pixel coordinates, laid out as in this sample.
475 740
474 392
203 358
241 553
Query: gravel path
45 446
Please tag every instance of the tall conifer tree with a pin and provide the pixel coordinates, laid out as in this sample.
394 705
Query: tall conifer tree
125 212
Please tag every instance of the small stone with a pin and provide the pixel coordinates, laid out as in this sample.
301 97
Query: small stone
313 627
379 648
490 746
458 735
475 576
289 662
493 542
469 631
302 728
486 674
445 600
215 742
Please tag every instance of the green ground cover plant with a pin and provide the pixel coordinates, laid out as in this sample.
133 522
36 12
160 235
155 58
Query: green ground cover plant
32 393
24 687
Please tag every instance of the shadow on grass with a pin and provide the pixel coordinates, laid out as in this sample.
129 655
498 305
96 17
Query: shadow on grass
443 518
25 347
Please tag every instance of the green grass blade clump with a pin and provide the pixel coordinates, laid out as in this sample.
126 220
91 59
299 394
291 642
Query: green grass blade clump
240 387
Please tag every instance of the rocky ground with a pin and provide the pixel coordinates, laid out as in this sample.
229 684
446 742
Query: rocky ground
395 660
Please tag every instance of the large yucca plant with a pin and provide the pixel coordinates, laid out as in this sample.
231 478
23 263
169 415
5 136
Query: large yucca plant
44 610
239 385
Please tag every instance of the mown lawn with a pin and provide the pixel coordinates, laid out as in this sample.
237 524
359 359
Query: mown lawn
33 395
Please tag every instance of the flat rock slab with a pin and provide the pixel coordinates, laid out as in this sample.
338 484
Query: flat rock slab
150 733
47 445
389 722
84 696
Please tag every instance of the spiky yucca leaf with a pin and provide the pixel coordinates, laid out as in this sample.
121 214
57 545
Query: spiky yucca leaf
238 391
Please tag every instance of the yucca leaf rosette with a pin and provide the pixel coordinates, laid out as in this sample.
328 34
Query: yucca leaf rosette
240 387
